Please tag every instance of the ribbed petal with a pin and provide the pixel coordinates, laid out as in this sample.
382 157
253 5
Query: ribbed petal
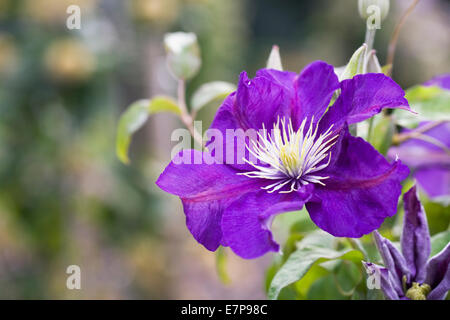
362 97
205 190
438 274
394 262
415 238
361 191
428 158
314 88
257 102
246 222
387 284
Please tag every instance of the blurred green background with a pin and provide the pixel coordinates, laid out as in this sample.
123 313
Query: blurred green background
65 198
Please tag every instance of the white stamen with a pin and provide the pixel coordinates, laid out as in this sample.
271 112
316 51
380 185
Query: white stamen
291 157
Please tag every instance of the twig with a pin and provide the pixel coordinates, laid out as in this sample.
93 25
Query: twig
186 118
395 35
402 137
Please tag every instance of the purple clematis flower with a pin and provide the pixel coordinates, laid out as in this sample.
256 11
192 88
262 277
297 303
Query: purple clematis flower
409 274
442 81
307 158
428 157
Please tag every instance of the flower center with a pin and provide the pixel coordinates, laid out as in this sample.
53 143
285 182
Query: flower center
292 158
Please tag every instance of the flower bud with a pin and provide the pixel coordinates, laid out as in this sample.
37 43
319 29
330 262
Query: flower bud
365 8
274 61
183 54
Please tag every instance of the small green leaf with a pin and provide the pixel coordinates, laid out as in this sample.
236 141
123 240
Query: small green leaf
221 265
439 241
274 61
431 104
355 65
163 104
382 133
300 261
386 69
135 116
209 92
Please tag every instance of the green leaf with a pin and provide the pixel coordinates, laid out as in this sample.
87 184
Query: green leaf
210 92
300 261
274 61
430 103
382 133
355 65
163 104
439 241
348 276
135 116
221 265
304 284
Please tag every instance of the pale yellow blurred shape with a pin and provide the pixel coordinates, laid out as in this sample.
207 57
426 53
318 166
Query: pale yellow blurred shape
161 12
54 11
69 60
8 55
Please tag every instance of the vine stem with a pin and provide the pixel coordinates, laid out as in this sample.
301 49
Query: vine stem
187 118
402 137
395 35
357 246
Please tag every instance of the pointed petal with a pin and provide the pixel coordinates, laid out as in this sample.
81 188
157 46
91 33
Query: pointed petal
386 283
438 274
362 97
415 238
394 261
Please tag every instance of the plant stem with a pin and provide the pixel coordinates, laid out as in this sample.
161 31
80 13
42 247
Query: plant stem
358 246
370 38
186 118
395 35
402 137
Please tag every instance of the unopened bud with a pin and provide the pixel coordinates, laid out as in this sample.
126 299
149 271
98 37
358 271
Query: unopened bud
368 7
183 54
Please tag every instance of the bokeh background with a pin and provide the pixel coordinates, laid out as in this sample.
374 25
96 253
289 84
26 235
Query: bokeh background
64 196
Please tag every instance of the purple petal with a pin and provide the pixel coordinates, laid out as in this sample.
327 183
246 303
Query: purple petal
261 101
314 89
257 102
442 81
205 190
246 221
434 180
430 162
438 274
361 191
415 238
387 284
284 79
362 97
394 261
224 120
